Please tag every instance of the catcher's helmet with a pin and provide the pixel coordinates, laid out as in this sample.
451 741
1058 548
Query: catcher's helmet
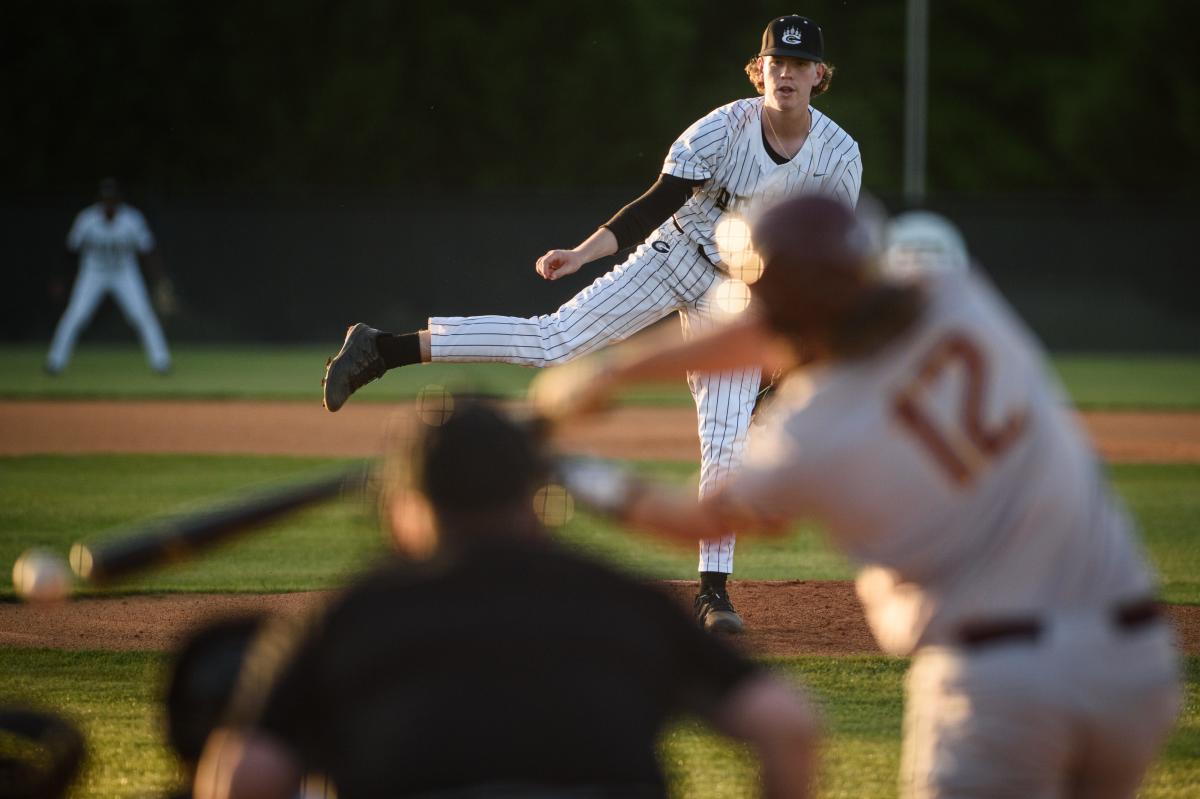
818 260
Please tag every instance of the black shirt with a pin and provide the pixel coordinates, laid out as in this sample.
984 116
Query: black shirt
517 663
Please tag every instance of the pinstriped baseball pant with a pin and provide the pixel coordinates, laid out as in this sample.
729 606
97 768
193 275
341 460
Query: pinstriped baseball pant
648 286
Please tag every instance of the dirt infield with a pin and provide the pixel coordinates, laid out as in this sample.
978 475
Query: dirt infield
294 428
784 618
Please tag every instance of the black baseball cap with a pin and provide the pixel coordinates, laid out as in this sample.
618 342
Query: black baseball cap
795 36
110 189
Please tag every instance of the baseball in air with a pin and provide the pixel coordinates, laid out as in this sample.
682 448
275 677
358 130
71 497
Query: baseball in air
41 576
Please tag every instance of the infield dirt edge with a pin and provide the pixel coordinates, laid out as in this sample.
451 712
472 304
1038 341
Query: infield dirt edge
783 618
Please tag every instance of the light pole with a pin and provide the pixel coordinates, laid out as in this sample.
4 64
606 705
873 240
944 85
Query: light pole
916 81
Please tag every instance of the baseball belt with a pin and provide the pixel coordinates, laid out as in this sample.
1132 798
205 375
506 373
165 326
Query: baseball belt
699 247
977 634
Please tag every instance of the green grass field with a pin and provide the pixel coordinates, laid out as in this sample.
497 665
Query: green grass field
114 697
294 373
55 500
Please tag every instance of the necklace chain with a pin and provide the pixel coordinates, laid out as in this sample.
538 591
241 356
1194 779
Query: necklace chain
778 140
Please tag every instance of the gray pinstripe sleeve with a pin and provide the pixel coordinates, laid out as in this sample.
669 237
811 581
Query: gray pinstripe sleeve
846 180
696 154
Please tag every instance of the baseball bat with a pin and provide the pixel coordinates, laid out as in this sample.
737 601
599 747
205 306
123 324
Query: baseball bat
155 543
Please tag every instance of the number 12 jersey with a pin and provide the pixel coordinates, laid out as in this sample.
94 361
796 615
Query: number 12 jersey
949 465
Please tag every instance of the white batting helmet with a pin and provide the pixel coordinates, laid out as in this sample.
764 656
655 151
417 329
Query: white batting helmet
922 242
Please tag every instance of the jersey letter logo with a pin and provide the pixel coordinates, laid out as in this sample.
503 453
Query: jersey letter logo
661 246
791 36
964 447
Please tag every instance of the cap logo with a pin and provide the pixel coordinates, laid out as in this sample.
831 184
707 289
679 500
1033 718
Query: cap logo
791 36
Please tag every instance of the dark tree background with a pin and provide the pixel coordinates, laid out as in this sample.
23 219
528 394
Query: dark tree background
387 160
1076 98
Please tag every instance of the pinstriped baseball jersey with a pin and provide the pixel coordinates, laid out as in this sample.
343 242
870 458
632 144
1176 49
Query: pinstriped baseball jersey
725 149
667 273
109 244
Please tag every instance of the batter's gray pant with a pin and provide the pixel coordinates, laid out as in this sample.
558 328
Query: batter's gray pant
1081 712
667 273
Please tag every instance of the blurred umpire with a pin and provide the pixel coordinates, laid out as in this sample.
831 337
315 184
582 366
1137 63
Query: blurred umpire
488 661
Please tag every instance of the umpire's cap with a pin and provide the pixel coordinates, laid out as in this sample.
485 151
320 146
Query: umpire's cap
818 261
794 36
479 459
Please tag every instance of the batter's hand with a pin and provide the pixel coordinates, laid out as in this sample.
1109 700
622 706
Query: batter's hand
559 263
577 388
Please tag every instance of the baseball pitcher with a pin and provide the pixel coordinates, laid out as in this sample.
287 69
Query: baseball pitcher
726 166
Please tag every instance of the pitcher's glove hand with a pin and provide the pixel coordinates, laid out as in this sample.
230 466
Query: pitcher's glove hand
165 301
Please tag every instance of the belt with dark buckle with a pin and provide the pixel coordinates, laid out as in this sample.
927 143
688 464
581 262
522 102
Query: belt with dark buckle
1131 615
699 247
975 634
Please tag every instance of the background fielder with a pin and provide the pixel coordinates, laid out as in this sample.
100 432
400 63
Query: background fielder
738 158
109 237
930 442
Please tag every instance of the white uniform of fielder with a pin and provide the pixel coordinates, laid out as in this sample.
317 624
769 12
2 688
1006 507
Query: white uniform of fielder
108 250
677 269
951 468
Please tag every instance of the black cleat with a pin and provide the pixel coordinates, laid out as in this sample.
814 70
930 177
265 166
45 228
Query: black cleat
356 364
715 613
